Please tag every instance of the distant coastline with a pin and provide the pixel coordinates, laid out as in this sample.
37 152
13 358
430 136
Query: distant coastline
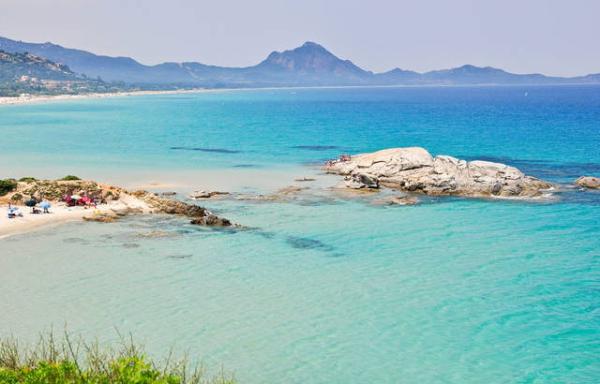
33 99
30 99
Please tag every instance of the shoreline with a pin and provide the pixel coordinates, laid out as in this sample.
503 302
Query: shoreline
105 203
32 99
59 214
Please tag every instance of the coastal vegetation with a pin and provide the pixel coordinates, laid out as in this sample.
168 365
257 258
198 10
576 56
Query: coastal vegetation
53 360
27 179
70 178
7 185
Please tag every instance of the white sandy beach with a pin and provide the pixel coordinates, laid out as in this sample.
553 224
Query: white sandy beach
29 99
60 213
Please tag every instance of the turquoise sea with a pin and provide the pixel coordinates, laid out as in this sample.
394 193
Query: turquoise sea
320 290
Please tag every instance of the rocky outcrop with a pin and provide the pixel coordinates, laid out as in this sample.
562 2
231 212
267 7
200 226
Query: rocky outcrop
590 182
415 170
199 215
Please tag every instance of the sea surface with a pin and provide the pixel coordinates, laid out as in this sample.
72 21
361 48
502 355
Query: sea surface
320 289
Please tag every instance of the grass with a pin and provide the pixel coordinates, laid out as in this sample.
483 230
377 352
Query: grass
64 361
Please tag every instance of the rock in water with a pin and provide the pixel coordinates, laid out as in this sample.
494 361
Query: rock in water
211 220
199 215
206 194
397 200
414 169
104 217
588 182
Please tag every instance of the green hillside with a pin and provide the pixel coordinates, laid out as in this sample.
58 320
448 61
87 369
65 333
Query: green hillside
24 73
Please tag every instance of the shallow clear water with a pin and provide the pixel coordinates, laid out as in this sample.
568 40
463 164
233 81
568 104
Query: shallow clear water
325 291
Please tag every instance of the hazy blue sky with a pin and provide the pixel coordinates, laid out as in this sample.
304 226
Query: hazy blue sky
558 37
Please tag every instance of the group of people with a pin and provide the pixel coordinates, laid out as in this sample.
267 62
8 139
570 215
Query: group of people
341 159
37 207
14 212
85 201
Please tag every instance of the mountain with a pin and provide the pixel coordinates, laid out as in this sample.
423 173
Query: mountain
27 73
19 66
108 68
398 76
308 65
469 74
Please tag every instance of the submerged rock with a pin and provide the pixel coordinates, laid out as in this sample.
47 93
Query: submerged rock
104 217
397 200
211 220
588 182
413 169
206 194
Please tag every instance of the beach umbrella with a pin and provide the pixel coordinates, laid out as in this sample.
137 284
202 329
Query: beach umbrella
31 203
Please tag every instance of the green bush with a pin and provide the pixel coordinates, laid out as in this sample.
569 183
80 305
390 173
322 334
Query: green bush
7 185
17 197
70 178
27 179
67 362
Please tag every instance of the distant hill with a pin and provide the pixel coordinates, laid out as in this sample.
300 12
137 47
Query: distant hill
308 65
28 73
17 66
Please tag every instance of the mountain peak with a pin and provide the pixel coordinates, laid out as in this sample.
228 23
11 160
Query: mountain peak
311 58
313 45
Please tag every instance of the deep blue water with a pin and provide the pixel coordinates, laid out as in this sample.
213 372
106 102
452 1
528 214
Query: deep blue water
331 290
551 131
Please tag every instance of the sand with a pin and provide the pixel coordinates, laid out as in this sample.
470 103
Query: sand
29 99
60 213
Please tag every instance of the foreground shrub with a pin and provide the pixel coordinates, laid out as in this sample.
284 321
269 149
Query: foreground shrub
27 179
7 185
70 178
57 362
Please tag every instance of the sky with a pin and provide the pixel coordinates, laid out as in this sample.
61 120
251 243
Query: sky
555 37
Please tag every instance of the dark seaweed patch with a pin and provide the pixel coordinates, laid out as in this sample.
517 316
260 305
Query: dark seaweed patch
307 243
245 166
203 149
316 147
179 257
76 240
